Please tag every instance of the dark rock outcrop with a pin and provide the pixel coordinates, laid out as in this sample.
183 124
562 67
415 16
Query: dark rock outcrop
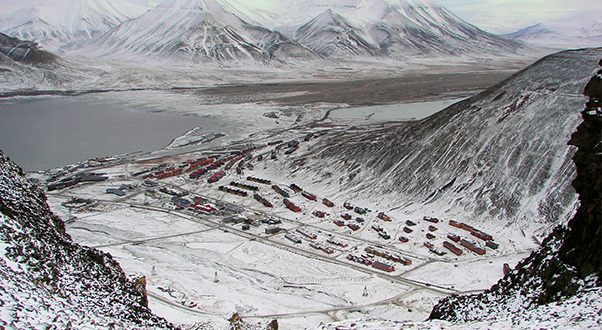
47 280
583 246
571 257
24 51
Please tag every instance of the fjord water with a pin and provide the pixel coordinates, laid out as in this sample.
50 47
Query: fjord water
42 133
48 132
393 112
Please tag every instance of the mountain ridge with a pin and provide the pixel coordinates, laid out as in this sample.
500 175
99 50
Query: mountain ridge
357 28
54 24
569 262
492 157
190 30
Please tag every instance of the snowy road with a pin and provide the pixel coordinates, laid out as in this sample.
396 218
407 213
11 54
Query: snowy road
215 223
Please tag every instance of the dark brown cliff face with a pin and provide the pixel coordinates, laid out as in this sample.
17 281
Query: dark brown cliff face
24 51
571 257
583 247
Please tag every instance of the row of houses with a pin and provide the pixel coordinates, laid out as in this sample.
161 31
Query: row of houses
76 179
244 186
262 200
387 255
473 231
232 191
374 263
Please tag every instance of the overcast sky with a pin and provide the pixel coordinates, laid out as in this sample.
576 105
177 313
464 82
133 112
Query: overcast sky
497 16
509 15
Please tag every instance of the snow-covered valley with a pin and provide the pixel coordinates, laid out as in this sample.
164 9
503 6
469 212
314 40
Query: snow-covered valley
337 164
115 122
207 267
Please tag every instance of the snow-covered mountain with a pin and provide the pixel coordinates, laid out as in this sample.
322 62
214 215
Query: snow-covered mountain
499 156
567 34
433 29
329 34
192 30
56 23
535 31
395 28
204 30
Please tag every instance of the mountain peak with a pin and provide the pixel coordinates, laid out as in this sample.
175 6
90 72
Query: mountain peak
330 34
192 31
536 30
55 23
330 17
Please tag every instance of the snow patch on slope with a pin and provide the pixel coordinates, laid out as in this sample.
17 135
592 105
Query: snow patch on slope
47 280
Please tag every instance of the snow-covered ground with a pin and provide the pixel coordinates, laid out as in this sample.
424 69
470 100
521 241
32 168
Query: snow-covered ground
199 268
579 312
204 268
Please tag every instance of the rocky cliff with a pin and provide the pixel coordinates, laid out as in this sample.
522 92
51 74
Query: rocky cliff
46 280
571 258
23 51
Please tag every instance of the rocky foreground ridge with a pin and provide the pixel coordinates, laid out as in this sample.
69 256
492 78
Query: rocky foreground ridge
49 282
570 261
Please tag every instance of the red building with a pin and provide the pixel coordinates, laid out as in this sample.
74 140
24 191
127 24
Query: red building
383 266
